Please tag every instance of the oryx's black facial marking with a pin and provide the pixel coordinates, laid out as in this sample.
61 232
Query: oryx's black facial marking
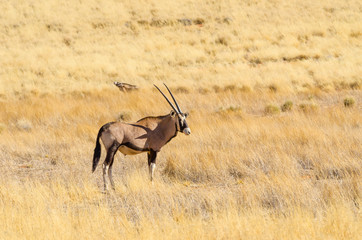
182 124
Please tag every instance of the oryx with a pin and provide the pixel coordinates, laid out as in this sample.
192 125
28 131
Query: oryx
148 134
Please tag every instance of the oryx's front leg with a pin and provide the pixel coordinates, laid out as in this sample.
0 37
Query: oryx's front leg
152 162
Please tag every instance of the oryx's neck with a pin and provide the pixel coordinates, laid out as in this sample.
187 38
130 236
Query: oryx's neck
160 131
168 128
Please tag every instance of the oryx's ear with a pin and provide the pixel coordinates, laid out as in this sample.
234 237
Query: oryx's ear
173 113
186 114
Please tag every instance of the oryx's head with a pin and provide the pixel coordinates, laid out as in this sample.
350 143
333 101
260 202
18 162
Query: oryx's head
181 117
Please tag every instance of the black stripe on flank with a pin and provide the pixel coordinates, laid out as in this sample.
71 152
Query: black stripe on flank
134 147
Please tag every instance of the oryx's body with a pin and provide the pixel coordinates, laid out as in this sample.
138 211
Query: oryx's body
148 134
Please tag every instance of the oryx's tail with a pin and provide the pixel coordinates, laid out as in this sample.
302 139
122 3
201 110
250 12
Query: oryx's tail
97 151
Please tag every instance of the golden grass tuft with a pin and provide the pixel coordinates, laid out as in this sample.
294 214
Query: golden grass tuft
308 107
287 106
349 102
271 109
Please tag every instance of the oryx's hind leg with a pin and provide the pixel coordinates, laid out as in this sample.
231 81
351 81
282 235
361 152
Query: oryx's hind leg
110 172
151 162
107 166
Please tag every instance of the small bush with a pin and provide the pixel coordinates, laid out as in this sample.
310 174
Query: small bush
234 112
349 102
216 88
199 21
273 88
308 107
271 109
343 85
221 41
203 91
233 109
124 116
182 90
287 106
230 109
355 86
230 88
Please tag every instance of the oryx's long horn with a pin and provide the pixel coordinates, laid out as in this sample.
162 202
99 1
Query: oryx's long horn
166 99
178 107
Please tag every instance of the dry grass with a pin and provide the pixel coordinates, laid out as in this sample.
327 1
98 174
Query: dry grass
244 172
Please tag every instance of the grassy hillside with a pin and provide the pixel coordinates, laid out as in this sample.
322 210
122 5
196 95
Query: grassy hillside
67 45
273 89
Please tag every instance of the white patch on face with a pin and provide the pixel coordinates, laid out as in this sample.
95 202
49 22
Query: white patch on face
187 131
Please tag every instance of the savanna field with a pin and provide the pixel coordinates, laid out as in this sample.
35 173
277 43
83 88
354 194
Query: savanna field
273 89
